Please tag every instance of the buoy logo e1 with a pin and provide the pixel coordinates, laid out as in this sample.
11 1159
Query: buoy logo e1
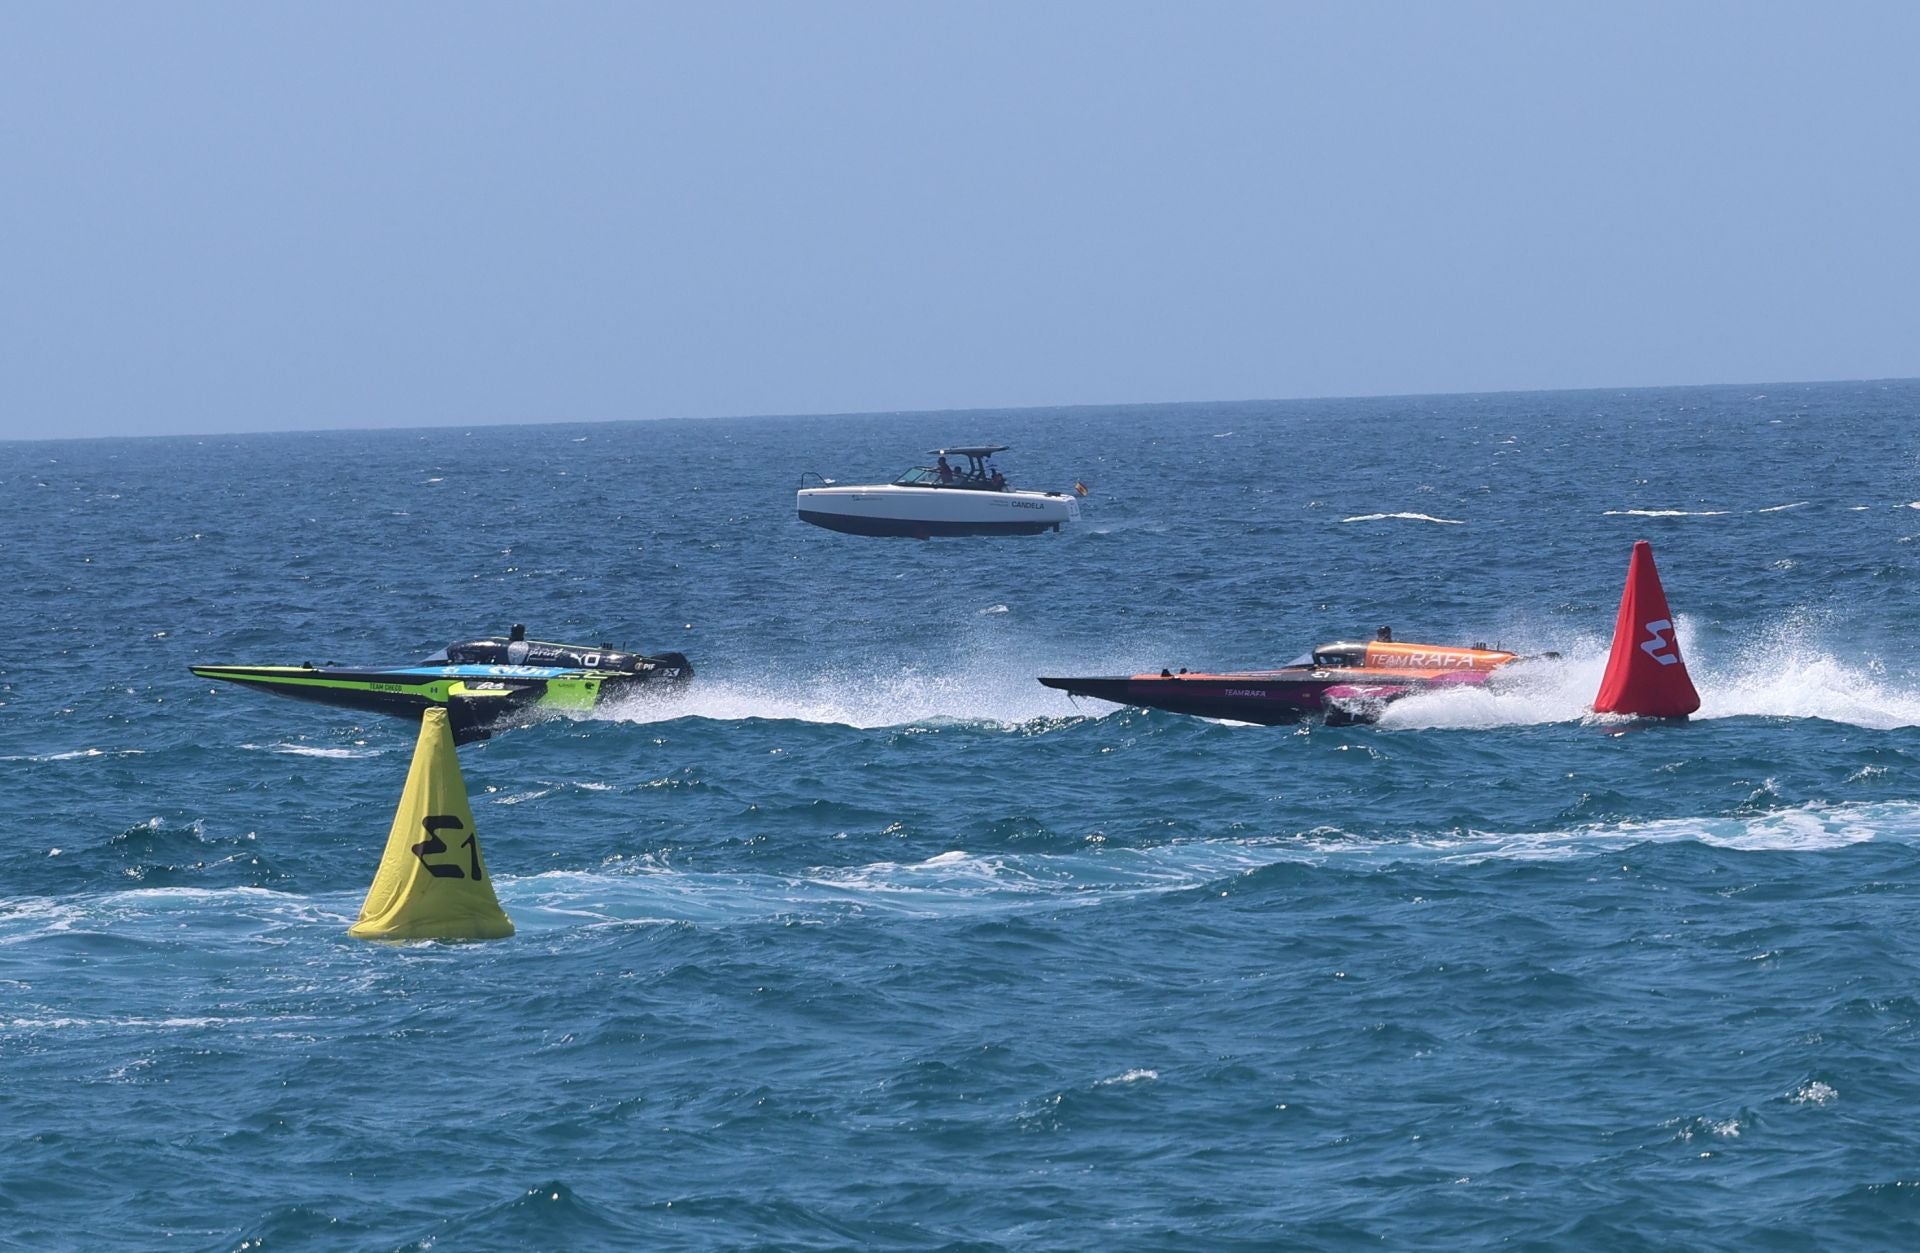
1658 644
433 825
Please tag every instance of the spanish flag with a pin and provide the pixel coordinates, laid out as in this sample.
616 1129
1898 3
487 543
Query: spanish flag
1079 488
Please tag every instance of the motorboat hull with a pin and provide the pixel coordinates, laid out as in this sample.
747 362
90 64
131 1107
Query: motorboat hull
479 699
1381 673
925 512
1266 699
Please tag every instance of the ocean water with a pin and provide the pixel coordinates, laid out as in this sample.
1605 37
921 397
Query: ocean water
872 941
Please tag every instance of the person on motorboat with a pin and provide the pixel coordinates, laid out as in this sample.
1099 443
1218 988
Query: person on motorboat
937 498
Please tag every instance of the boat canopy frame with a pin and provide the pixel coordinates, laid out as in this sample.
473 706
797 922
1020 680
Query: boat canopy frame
973 478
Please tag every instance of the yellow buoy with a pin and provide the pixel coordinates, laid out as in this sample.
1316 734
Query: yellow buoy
431 884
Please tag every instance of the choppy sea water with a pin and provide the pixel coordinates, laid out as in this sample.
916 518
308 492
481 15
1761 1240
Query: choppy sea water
873 941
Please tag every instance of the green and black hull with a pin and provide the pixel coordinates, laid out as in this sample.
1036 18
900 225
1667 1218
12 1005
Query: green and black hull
479 698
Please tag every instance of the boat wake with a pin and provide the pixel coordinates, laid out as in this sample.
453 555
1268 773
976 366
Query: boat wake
986 689
1784 673
641 891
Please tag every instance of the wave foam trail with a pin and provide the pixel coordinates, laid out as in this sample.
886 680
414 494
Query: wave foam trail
867 701
1531 693
1784 673
148 924
995 685
949 884
1807 828
248 915
958 883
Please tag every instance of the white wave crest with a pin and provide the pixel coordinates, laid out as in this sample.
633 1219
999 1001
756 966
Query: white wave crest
78 754
312 750
1408 517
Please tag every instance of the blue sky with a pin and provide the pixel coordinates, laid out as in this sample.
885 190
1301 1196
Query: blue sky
241 217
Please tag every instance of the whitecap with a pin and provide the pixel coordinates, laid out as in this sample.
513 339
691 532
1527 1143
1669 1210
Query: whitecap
312 750
1409 517
1664 513
78 754
1814 1092
164 1024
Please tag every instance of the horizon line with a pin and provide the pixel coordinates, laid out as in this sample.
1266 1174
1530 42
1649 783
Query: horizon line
961 409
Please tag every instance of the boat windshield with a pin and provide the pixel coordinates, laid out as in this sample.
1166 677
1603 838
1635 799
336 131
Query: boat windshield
926 476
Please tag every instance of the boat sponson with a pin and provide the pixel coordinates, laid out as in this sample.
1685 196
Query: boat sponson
1271 698
474 712
1239 698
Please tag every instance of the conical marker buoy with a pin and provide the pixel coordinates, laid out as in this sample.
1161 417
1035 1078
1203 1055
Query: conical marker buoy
431 884
1645 674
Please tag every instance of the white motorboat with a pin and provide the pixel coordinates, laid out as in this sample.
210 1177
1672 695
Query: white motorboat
941 499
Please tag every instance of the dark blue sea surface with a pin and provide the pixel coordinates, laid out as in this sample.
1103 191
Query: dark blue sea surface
873 941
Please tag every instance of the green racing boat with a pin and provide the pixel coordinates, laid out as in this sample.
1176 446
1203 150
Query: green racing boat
484 685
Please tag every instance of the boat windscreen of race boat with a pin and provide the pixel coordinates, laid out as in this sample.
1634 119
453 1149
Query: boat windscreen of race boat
484 684
1342 682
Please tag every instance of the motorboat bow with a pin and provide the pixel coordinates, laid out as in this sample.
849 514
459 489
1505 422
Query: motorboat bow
483 684
941 499
1340 682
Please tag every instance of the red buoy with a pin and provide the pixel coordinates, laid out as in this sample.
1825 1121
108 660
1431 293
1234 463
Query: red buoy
1645 675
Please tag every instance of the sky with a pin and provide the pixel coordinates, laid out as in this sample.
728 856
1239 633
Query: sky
223 217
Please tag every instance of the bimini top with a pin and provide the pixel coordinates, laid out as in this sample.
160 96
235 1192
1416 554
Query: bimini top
976 450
